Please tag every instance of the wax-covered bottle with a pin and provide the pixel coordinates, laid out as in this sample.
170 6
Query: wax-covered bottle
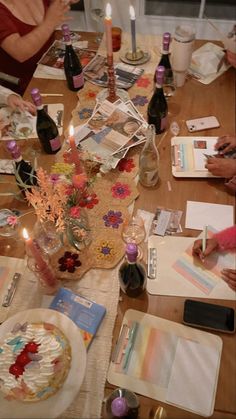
149 160
165 60
157 107
132 274
45 126
122 403
24 172
72 65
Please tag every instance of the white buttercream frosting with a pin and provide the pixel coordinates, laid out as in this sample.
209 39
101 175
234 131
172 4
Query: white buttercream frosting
37 375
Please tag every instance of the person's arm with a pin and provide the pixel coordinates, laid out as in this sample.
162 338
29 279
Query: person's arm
21 48
226 239
4 94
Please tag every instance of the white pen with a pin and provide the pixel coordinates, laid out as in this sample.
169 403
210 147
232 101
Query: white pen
204 239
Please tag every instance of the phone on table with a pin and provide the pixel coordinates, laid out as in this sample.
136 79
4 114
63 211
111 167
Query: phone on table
209 316
200 124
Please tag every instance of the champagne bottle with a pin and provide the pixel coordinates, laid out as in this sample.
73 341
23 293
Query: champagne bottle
157 107
24 172
72 65
45 126
132 274
165 61
122 403
149 160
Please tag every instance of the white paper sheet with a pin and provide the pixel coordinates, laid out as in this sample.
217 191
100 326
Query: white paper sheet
199 214
193 377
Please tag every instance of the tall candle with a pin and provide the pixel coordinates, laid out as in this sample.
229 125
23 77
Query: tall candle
108 27
43 269
74 151
132 22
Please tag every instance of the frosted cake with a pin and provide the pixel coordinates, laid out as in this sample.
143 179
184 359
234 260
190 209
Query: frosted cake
34 361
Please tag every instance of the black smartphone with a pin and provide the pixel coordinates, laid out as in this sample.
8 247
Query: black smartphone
209 316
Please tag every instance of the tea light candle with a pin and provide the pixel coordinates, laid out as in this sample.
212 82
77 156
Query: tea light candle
108 27
133 34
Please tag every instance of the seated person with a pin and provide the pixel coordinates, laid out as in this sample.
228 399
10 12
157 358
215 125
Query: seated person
224 240
26 32
225 167
10 98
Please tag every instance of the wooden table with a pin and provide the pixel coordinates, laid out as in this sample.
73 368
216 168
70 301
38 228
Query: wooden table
192 100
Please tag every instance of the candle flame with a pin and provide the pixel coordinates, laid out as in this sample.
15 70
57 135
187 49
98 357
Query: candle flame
25 234
71 131
131 12
108 10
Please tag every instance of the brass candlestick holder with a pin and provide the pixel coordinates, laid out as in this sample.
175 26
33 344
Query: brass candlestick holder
135 57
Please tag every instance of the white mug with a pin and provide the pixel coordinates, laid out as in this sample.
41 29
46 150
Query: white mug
182 49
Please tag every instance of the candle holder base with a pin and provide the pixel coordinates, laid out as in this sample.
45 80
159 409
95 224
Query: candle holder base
104 95
135 58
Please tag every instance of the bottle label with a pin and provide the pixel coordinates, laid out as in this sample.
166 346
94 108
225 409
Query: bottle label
55 143
163 123
78 81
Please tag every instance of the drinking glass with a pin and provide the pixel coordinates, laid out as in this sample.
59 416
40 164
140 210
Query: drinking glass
134 232
97 14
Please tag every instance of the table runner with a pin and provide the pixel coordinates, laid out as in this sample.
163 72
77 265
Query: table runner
101 286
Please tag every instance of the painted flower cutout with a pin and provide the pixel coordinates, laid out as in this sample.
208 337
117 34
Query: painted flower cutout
88 200
85 113
91 94
140 100
126 165
69 262
143 82
120 190
105 251
113 219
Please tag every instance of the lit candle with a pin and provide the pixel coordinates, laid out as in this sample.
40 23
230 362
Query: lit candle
35 252
108 27
74 151
132 22
43 269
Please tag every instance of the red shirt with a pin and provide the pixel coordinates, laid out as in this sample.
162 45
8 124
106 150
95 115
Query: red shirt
24 71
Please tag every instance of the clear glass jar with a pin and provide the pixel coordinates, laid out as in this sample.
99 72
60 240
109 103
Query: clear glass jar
9 223
78 231
47 237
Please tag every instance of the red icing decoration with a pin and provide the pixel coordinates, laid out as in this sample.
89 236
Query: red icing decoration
31 347
23 359
16 370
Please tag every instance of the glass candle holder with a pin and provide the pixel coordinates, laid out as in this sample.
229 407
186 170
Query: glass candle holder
47 278
9 223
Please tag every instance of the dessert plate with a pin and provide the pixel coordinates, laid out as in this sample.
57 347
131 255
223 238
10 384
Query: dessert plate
60 401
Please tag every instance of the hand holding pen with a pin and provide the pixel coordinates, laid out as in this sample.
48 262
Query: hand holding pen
226 144
203 247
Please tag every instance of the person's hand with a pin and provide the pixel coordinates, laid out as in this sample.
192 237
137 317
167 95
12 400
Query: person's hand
15 101
221 167
231 58
229 276
211 245
225 144
56 13
231 184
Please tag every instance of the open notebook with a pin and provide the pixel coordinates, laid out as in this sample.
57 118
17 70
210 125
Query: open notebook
167 361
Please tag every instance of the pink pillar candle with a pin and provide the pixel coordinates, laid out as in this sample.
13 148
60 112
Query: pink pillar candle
108 27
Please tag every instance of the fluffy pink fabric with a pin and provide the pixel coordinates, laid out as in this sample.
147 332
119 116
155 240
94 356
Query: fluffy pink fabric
226 238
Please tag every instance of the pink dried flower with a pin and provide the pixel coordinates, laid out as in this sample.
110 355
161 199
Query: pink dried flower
79 181
12 220
74 212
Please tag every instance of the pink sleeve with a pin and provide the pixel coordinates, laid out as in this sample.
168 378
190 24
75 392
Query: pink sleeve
226 238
